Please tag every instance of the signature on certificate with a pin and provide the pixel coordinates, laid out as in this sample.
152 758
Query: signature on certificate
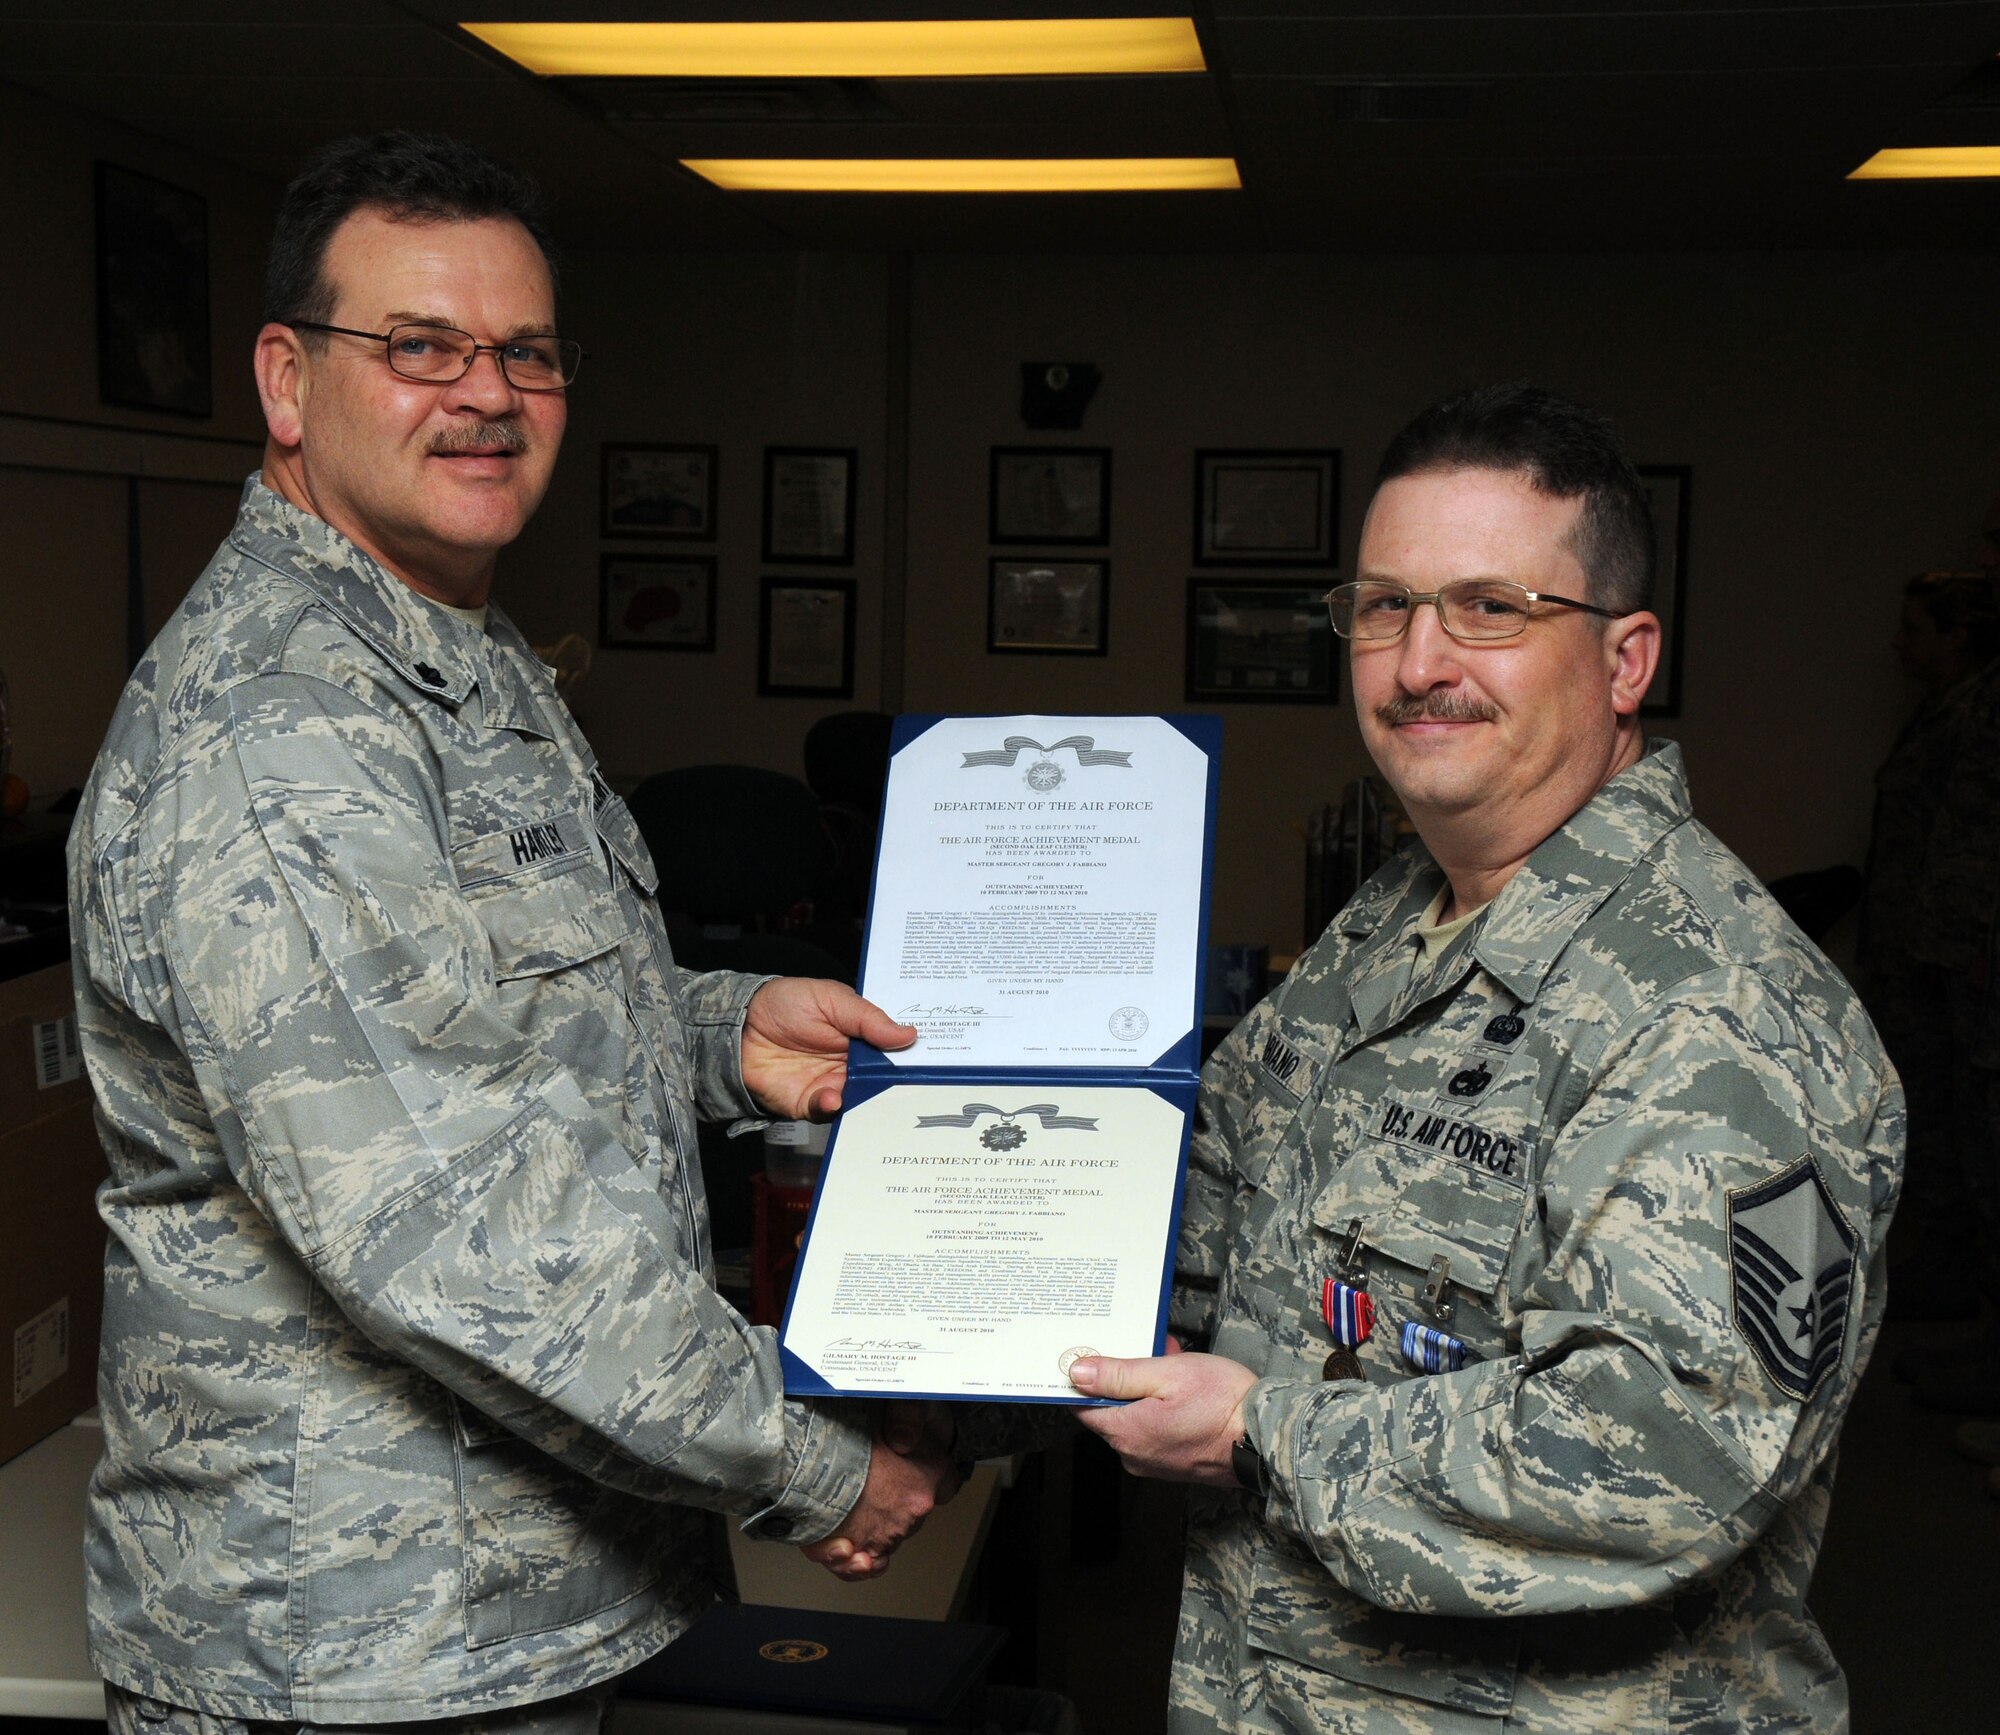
920 1010
904 1345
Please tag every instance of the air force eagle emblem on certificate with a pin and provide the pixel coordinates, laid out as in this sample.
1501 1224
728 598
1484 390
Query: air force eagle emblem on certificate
1791 1268
1007 1134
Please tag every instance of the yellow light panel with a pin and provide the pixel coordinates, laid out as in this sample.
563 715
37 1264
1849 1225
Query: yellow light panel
936 48
967 174
1932 163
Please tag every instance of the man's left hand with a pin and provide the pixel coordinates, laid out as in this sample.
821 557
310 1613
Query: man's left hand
1185 1413
795 1043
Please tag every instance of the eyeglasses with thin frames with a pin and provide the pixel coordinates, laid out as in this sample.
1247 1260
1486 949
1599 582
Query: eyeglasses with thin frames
439 354
1474 611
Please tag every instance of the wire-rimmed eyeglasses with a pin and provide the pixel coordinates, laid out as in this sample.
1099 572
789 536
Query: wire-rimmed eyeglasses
439 354
1475 610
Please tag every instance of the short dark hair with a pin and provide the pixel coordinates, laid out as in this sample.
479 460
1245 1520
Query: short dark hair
409 177
1564 450
1960 599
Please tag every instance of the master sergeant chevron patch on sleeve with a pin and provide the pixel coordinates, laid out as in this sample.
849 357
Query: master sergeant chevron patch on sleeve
1791 1269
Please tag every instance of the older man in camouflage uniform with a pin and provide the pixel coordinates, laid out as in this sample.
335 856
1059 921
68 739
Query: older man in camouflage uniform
418 1397
1607 1144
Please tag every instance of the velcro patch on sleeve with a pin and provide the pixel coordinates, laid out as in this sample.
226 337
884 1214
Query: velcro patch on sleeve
1791 1276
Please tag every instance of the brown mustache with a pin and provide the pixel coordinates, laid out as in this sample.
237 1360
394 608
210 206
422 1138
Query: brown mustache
476 435
1433 708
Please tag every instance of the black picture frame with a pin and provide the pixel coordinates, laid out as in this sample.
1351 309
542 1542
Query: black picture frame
656 602
657 492
1267 507
153 343
1252 641
797 621
1669 490
1049 496
809 505
1054 607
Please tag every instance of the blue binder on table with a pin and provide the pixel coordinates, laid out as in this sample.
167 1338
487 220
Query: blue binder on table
871 1668
1003 1197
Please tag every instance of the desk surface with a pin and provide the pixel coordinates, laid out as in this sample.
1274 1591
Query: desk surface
45 1672
43 1669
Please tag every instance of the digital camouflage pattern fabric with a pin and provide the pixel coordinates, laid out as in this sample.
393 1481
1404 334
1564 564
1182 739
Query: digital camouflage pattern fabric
417 1393
1610 1116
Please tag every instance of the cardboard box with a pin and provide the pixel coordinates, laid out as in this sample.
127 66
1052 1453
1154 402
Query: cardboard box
41 1065
51 1273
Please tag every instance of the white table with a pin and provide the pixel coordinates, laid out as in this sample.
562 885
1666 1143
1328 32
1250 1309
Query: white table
43 1669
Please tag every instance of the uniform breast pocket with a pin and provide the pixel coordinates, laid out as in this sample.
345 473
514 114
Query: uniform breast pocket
556 933
1430 1230
546 919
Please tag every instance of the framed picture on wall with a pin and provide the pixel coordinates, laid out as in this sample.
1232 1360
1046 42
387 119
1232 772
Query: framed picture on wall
805 638
809 505
152 294
1047 606
1261 643
656 602
1266 508
659 491
1050 494
1667 489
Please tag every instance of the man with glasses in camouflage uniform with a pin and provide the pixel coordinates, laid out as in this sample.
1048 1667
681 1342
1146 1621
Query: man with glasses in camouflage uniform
419 1402
1534 1225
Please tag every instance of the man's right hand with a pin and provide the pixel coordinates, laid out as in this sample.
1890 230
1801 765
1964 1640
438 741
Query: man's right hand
901 1490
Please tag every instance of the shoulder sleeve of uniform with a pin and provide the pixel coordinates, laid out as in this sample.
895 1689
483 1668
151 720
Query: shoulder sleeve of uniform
443 1176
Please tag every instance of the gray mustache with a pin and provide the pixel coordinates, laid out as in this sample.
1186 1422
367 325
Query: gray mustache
1433 708
503 435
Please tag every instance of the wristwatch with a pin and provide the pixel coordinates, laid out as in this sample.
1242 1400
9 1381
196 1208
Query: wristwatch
1248 1467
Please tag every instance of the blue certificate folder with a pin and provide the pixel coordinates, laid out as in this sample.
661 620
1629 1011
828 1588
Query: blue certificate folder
805 1662
1047 777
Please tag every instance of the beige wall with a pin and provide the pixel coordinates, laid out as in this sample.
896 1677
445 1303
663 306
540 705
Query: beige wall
65 459
1835 409
737 353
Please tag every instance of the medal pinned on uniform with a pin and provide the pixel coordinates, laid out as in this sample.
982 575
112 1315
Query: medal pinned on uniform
1350 1315
1349 1312
1431 1351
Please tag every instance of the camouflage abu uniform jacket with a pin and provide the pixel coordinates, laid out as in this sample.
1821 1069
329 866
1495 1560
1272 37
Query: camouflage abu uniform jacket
1642 1130
413 1370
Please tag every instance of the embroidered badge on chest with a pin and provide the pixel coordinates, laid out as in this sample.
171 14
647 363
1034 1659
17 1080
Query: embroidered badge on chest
1471 1080
1791 1268
1504 1031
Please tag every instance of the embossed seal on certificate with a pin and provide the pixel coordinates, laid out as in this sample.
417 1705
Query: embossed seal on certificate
1070 1356
1129 1023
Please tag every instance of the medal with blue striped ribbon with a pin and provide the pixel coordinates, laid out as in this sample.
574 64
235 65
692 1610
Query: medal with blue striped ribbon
1431 1351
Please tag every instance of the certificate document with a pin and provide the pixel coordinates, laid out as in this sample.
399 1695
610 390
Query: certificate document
1039 891
1003 1197
973 1243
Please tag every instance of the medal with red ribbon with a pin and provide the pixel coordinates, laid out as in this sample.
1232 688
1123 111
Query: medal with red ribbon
1350 1315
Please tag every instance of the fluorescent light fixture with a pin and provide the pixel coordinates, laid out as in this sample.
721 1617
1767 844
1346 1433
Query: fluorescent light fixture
1933 163
967 174
924 48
